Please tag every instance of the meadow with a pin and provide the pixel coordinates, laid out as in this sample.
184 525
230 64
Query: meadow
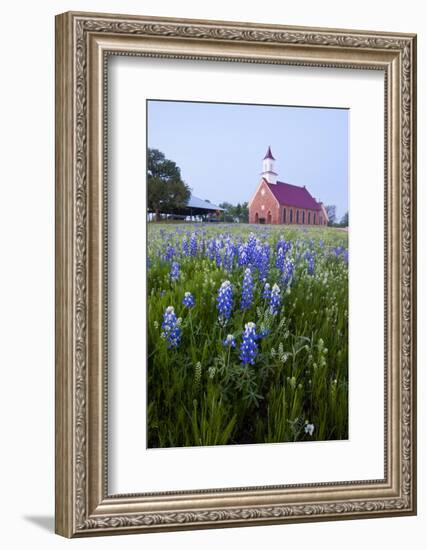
247 334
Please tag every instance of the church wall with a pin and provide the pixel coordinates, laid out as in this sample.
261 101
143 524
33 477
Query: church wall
263 204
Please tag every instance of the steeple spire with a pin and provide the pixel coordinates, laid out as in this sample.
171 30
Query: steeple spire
268 167
269 154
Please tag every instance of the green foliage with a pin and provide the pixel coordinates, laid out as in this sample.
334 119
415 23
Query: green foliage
331 210
344 220
166 191
201 394
238 213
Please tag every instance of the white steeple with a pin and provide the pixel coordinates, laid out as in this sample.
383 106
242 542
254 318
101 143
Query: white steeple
268 167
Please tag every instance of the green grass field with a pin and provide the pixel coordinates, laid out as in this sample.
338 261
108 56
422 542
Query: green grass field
250 363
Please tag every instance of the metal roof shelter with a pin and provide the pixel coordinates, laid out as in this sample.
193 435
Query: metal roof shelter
197 207
196 203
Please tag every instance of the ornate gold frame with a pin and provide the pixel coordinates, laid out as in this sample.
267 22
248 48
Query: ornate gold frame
83 42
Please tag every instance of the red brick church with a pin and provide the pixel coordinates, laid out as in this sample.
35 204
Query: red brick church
277 202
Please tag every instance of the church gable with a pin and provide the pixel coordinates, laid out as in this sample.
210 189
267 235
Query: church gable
264 205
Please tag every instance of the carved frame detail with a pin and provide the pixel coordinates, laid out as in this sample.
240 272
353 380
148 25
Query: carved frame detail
83 506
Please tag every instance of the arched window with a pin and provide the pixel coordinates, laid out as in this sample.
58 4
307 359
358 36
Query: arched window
256 217
291 215
269 217
284 215
303 216
314 218
309 215
297 216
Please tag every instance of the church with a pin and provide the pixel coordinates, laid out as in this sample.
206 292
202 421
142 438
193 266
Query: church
277 202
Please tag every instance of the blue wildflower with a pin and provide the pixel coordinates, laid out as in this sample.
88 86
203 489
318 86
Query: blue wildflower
275 300
247 290
228 256
193 245
171 328
249 347
338 250
170 252
309 256
284 245
288 272
280 258
185 247
266 292
211 249
188 300
243 258
264 269
175 271
250 247
224 302
229 341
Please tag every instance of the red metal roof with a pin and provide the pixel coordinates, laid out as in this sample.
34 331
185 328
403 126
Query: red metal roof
269 154
292 195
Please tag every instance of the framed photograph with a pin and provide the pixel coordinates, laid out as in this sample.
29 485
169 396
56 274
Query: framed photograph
235 274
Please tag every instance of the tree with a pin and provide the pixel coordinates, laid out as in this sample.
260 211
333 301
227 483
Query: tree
228 213
245 213
331 210
238 211
166 191
344 220
232 213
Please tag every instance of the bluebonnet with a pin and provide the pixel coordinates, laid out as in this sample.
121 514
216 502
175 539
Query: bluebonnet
243 258
265 264
250 247
229 341
275 300
280 258
261 260
288 272
338 250
193 245
188 300
249 347
266 292
185 247
228 256
170 252
247 290
211 249
224 302
175 271
171 328
309 256
284 245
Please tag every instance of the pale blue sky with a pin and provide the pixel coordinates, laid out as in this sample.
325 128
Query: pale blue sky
220 147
